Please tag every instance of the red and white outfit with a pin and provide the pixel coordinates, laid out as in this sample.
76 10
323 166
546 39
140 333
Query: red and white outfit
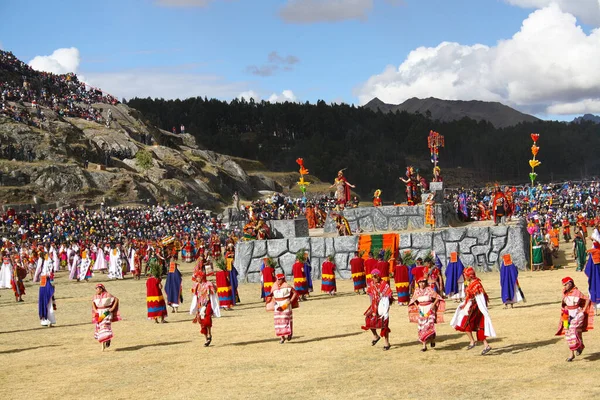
574 318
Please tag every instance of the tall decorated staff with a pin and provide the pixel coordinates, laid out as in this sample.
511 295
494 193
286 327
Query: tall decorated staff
434 142
533 162
302 183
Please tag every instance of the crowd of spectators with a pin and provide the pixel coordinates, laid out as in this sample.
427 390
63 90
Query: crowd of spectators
113 223
279 206
63 93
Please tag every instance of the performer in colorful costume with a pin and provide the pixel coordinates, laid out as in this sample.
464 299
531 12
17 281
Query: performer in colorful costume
376 198
284 299
509 283
155 302
377 315
328 276
173 286
577 316
357 269
342 189
300 283
402 282
426 308
105 311
472 314
205 304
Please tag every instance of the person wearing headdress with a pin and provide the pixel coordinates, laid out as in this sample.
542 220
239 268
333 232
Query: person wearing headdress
85 270
46 301
402 282
267 277
437 175
284 299
115 270
357 269
509 283
299 273
411 186
455 288
430 211
377 316
426 308
472 314
205 304
19 272
5 271
377 199
342 225
224 289
173 286
498 206
105 311
233 272
435 279
577 316
157 309
342 188
328 284
592 271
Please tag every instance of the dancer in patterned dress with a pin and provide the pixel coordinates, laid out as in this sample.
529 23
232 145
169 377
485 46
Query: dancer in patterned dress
105 311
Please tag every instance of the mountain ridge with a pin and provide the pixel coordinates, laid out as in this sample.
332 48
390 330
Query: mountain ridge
498 114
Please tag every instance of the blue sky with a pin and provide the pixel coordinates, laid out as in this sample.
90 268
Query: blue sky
540 56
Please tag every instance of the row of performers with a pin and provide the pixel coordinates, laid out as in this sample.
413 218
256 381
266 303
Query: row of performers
83 258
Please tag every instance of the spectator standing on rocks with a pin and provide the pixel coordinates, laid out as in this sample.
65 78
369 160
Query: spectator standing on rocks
182 129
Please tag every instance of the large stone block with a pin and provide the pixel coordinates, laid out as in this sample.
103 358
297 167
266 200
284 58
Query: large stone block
480 249
466 244
438 244
398 223
286 261
468 259
389 211
276 247
416 222
260 248
243 256
451 248
329 226
329 247
454 234
317 247
341 261
353 225
366 224
297 244
289 228
405 240
316 263
499 230
422 240
345 244
381 221
498 243
254 270
482 233
517 245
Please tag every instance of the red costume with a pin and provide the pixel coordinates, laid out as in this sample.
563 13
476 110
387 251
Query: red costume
401 282
300 282
328 277
369 266
357 269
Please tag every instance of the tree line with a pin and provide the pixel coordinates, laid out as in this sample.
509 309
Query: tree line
373 146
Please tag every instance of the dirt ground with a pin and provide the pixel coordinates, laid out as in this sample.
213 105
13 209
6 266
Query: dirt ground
330 357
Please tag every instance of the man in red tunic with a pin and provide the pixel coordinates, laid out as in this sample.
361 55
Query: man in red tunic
377 315
328 276
401 282
357 269
370 266
268 278
383 267
300 282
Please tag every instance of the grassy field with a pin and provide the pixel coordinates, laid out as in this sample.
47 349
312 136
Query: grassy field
329 358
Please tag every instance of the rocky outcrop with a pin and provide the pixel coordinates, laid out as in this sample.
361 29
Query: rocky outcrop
59 146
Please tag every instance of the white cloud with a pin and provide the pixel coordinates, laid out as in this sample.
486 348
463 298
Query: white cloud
549 62
587 106
286 95
61 61
588 11
168 85
249 94
309 11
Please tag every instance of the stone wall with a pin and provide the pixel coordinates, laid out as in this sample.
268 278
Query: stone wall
393 218
480 246
288 228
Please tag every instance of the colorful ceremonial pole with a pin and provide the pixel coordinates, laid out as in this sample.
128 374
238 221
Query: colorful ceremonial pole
534 163
302 183
435 141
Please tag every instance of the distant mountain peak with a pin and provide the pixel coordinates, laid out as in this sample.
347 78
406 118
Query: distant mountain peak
587 117
498 114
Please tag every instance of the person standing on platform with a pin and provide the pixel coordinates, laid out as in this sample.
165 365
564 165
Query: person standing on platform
357 269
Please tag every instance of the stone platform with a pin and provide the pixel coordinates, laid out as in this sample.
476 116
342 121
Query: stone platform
289 228
393 218
479 246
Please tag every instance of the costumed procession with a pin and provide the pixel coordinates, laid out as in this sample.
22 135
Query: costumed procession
154 243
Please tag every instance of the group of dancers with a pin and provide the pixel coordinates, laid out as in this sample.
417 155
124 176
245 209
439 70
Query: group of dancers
421 287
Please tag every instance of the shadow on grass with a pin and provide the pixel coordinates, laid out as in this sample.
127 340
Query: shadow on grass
439 342
522 347
45 328
321 338
272 339
592 357
26 349
539 304
142 346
